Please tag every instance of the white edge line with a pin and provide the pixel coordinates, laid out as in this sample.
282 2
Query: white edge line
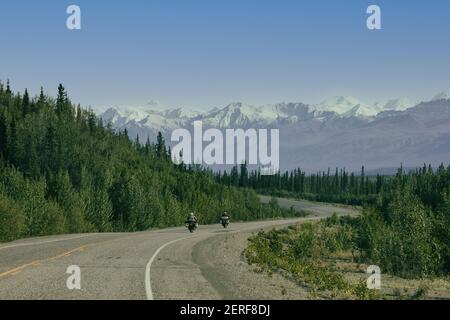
148 284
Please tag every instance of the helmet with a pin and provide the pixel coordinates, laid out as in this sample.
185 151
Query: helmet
191 214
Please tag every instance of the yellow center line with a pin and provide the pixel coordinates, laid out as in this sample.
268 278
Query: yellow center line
16 270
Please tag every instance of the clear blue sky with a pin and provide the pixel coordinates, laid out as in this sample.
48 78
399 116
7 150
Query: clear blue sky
206 53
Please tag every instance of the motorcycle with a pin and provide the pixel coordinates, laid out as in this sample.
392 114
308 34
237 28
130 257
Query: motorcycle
225 222
192 226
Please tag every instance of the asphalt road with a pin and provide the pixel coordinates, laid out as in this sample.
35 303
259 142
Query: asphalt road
144 265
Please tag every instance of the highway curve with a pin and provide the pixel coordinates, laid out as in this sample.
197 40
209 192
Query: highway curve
157 264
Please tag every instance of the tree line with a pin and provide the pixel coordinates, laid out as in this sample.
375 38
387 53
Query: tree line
405 224
338 185
62 170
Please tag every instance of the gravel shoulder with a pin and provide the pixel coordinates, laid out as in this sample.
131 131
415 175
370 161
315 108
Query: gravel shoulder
223 265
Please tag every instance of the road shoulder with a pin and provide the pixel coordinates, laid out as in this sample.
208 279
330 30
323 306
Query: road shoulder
223 265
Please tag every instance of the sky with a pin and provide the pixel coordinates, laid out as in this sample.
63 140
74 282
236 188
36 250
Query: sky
202 54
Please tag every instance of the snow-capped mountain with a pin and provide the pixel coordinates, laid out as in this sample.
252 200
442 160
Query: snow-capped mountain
237 115
392 105
344 106
146 124
352 107
441 96
340 131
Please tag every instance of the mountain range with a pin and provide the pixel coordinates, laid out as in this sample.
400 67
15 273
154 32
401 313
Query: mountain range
339 132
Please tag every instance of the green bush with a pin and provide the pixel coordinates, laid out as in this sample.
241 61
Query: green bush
297 251
12 220
405 246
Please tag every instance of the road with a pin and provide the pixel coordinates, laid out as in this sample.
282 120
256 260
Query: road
157 264
315 208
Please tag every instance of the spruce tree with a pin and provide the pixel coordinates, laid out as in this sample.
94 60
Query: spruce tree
13 143
3 136
160 146
61 101
41 101
25 103
8 88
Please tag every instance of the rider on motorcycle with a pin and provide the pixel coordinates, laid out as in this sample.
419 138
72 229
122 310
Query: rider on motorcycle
191 218
225 218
